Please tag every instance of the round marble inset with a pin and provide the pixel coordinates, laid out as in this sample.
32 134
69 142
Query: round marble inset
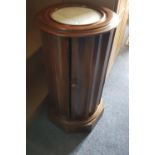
76 16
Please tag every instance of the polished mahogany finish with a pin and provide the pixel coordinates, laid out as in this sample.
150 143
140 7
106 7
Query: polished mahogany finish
108 21
76 60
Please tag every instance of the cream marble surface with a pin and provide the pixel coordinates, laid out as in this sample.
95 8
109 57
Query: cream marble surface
76 16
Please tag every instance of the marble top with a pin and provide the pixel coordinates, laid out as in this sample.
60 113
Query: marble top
76 15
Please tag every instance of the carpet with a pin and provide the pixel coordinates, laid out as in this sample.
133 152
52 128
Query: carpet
110 135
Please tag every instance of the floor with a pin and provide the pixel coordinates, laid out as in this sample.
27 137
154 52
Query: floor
109 137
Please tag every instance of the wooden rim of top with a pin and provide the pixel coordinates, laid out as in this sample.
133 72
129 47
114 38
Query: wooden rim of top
108 21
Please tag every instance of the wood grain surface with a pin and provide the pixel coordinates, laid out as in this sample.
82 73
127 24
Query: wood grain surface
76 60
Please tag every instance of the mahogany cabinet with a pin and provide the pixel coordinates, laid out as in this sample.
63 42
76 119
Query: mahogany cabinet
77 41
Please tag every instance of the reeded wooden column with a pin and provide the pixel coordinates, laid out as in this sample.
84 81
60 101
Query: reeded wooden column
76 60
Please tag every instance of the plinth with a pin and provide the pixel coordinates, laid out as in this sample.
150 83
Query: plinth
77 41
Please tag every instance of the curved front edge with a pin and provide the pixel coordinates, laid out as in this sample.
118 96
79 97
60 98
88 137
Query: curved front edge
78 125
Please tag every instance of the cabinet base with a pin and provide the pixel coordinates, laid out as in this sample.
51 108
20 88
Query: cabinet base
77 126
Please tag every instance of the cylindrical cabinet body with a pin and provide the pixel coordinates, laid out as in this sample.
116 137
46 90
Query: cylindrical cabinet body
76 60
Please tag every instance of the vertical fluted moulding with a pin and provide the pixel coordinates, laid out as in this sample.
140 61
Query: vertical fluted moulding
76 59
